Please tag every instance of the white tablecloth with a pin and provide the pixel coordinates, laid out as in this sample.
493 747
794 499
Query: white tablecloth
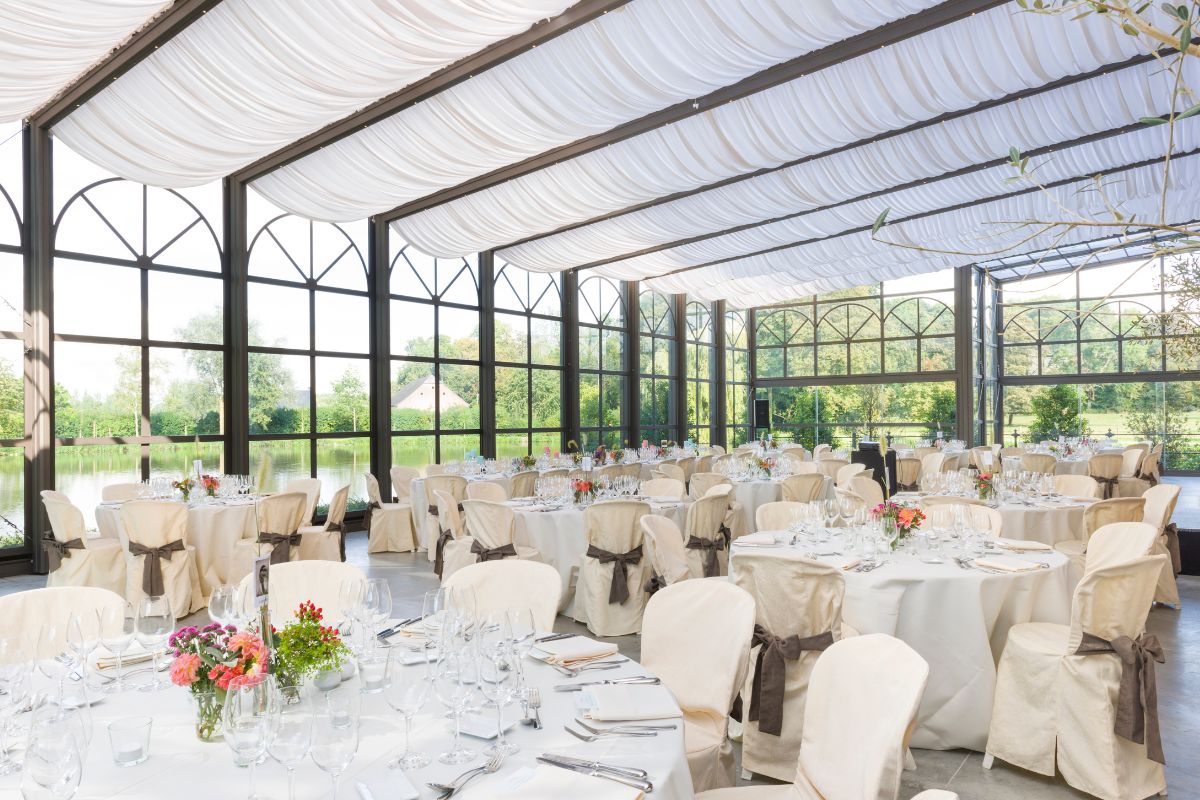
958 621
213 528
752 494
1049 521
182 767
1063 466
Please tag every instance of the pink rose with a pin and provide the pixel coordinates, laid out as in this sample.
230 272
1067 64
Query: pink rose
185 669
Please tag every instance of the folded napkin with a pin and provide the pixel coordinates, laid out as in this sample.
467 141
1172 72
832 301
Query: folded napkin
1005 564
1022 545
553 783
575 650
756 538
632 702
136 654
845 563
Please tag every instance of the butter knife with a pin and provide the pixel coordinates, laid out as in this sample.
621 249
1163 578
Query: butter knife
636 783
575 687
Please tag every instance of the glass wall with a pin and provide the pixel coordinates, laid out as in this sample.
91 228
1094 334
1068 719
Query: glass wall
656 371
12 383
737 378
602 370
699 347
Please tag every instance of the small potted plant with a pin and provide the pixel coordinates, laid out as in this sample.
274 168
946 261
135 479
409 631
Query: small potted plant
306 648
210 661
210 484
185 486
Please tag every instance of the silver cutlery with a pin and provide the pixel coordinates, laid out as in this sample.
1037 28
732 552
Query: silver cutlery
582 762
554 637
575 687
592 737
449 790
625 726
535 704
637 783
571 672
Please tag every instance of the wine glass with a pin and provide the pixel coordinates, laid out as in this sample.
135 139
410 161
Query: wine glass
453 688
155 624
407 694
53 759
377 605
222 605
245 721
522 632
82 640
118 623
53 660
498 684
334 743
16 683
289 735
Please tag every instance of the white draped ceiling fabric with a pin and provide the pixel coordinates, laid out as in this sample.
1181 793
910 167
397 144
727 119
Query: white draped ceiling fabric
755 201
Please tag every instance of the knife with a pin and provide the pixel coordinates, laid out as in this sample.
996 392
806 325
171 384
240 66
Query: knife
392 631
580 762
636 783
575 687
554 637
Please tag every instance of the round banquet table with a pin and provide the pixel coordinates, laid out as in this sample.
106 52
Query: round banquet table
182 767
1062 466
214 527
754 493
957 619
560 536
1048 520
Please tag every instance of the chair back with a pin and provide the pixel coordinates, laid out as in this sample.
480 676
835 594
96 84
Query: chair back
486 490
402 478
696 638
26 614
120 492
1160 504
613 525
1131 460
1105 512
792 461
868 489
66 521
336 517
1041 463
50 494
803 488
1114 600
847 473
666 470
863 697
830 466
976 515
611 472
453 485
434 469
512 584
282 513
793 595
311 489
931 463
1152 463
293 582
633 470
703 481
154 523
1105 465
688 465
373 494
976 456
556 473
777 516
524 484
705 516
449 519
704 463
663 487
920 452
492 524
664 541
820 451
1076 486
1118 542
717 449
908 471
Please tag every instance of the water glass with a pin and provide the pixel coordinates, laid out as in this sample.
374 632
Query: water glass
245 723
118 624
130 740
155 624
222 605
373 667
53 761
289 734
407 693
498 684
334 744
453 686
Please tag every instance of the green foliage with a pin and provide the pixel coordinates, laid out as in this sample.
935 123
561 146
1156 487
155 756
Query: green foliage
1056 412
305 646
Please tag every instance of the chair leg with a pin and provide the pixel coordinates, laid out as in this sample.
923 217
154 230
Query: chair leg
988 760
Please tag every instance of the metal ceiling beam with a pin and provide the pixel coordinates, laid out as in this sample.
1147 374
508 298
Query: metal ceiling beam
1009 98
892 33
493 55
157 32
924 214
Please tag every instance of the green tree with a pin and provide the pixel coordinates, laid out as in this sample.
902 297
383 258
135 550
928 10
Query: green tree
350 402
1056 413
12 402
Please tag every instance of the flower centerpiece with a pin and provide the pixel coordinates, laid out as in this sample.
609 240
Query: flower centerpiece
584 490
185 486
210 483
764 465
984 485
306 647
210 661
573 451
529 462
618 456
902 519
599 455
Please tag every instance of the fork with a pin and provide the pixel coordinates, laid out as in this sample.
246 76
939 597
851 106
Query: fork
571 672
591 737
535 703
449 790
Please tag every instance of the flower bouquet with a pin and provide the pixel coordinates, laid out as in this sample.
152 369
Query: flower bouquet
210 483
618 456
901 519
185 486
210 661
583 490
599 455
984 485
305 647
528 462
764 465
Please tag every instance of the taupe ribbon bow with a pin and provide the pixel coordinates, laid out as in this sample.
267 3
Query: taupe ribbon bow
340 527
1146 476
618 591
1110 486
726 534
439 555
906 487
490 553
370 512
152 574
1137 699
56 551
770 674
712 567
282 544
655 583
1172 533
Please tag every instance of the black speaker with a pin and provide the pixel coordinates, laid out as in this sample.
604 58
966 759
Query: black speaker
762 413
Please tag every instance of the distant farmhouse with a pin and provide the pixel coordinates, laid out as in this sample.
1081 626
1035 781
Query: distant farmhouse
419 395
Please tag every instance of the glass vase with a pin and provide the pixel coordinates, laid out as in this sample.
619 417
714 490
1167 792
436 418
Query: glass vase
208 715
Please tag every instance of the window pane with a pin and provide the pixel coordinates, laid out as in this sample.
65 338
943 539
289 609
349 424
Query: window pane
512 397
413 451
343 322
589 348
343 399
273 464
589 401
411 329
545 341
343 462
511 445
97 299
511 340
414 396
12 497
80 472
184 308
279 389
187 389
460 397
457 446
11 290
99 390
12 390
547 398
278 316
458 334
175 460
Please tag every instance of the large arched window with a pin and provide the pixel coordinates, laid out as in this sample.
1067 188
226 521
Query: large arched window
12 337
737 378
656 324
700 371
602 373
309 374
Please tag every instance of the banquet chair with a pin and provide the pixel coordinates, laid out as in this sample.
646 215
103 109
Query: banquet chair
1131 460
663 487
434 469
1106 469
486 490
492 527
852 500
1119 542
1012 452
950 499
524 484
976 458
830 467
805 468
797 450
704 535
454 485
696 639
452 548
725 462
1057 689
610 472
76 560
1096 516
512 585
311 489
735 520
954 462
120 492
556 473
703 481
908 474
327 542
633 470
717 449
158 560
704 463
847 473
278 519
919 453
662 542
610 593
389 525
868 489
778 516
578 474
1151 465
1040 463
665 470
1077 486
401 479
1160 507
978 516
50 494
29 613
864 695
821 451
294 582
688 465
792 461
803 488
930 465
793 597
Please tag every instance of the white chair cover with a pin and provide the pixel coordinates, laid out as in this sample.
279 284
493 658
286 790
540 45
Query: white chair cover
704 537
50 494
456 487
666 470
831 466
1096 516
868 489
492 527
434 469
735 520
524 483
847 473
803 488
277 519
931 464
512 584
26 614
663 487
703 481
402 478
389 525
158 525
696 638
98 562
1160 508
663 542
453 537
486 490
777 516
821 451
688 465
613 529
1131 460
942 514
1106 469
1077 486
327 542
1041 463
1118 543
294 582
311 489
120 492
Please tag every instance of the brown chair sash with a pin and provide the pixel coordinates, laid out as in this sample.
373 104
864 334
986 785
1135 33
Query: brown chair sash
726 534
1137 699
1147 477
1172 533
433 509
281 545
618 591
655 583
440 551
56 551
770 674
152 574
1110 486
340 527
906 487
492 553
712 567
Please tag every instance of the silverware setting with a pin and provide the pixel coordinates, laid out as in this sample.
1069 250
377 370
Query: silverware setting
592 737
554 637
572 672
869 567
625 726
454 787
576 687
598 770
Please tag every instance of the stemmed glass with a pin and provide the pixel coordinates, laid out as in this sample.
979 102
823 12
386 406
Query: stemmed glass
289 735
435 616
522 632
82 641
117 627
334 742
16 682
53 759
453 685
407 694
498 684
246 721
222 605
377 606
155 623
56 663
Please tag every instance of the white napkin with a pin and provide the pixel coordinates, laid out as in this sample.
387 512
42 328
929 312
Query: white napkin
136 654
632 702
553 783
1005 564
1021 545
845 563
575 650
755 538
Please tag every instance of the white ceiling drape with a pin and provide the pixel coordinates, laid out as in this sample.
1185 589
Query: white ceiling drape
915 80
643 57
46 44
1104 103
975 234
254 75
